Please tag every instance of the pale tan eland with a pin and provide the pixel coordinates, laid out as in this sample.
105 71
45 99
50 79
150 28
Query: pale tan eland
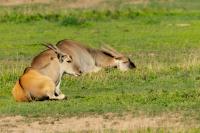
92 60
42 80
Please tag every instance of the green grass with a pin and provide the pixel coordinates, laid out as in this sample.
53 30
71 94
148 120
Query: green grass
167 78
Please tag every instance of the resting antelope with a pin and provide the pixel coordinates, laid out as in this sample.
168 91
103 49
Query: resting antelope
92 60
38 83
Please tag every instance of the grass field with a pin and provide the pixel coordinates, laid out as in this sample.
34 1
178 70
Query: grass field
162 38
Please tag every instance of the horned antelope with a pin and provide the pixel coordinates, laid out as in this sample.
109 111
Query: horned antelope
92 60
42 79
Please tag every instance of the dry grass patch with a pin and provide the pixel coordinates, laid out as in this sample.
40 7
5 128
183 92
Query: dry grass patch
60 3
92 123
138 1
19 2
147 1
84 3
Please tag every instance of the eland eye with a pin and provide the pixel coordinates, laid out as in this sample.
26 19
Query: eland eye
69 61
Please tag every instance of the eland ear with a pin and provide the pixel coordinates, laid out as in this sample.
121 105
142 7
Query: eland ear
118 58
111 51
